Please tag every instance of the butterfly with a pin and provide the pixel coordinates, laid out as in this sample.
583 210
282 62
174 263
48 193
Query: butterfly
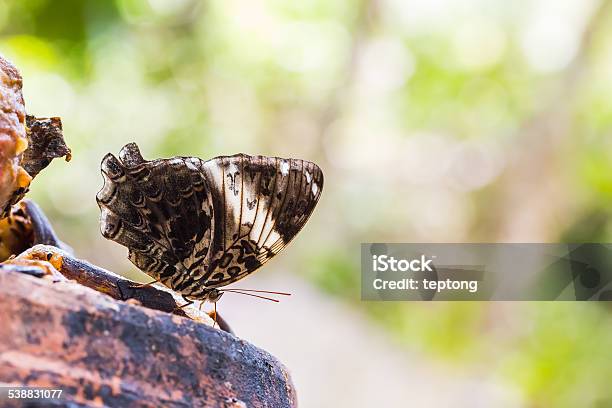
195 225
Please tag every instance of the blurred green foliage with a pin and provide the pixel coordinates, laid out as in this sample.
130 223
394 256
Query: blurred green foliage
443 121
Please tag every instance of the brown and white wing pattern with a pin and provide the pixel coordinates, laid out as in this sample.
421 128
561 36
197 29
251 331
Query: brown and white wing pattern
160 210
198 225
260 204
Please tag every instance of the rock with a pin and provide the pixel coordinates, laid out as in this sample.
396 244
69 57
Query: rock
14 180
106 352
27 144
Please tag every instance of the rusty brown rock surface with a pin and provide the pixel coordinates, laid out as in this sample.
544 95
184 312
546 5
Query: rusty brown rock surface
25 227
45 143
16 232
59 264
104 352
27 144
12 136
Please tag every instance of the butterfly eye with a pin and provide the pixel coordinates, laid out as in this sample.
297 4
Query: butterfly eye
214 295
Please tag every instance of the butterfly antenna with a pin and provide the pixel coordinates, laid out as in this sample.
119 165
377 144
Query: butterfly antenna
259 291
251 294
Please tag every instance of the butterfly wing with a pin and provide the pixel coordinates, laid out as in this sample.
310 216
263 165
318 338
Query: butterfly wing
199 225
260 204
160 210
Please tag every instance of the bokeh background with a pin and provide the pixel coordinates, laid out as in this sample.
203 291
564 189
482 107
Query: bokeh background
433 120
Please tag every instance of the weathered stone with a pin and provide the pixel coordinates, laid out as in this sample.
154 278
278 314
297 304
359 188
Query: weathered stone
105 352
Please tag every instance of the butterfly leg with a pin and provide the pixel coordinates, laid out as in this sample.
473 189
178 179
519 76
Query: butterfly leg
214 313
215 323
189 302
144 285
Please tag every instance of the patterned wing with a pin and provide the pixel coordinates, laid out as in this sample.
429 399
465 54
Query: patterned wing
260 203
160 210
199 225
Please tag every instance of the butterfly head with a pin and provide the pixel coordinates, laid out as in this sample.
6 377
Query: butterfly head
213 295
